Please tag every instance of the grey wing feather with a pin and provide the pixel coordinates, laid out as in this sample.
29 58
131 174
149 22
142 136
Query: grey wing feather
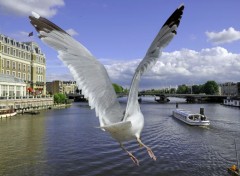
165 35
90 74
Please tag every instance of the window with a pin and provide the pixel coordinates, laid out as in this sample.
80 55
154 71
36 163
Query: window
8 64
18 91
29 77
29 68
14 65
40 78
24 76
11 91
19 66
4 90
14 73
24 67
19 75
7 72
3 63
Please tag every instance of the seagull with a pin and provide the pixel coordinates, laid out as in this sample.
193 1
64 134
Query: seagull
92 77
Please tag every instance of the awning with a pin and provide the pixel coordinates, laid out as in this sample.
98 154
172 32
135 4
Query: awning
30 89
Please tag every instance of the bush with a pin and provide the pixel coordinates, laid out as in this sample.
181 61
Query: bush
60 98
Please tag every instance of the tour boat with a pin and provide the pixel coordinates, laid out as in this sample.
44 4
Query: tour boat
7 113
191 118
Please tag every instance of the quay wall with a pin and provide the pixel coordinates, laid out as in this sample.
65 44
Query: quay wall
26 104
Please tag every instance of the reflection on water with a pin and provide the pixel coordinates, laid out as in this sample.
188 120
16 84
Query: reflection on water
21 146
67 142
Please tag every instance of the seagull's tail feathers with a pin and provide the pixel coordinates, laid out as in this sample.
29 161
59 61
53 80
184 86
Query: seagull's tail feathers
119 131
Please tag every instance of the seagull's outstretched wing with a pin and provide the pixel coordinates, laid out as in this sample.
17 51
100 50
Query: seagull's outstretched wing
90 75
165 35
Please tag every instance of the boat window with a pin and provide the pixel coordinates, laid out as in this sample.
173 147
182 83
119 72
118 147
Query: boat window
196 117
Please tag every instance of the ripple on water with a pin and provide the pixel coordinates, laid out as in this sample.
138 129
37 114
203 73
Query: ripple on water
66 142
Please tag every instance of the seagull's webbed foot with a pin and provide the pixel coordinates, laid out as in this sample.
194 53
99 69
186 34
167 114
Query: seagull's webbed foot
151 154
149 150
133 158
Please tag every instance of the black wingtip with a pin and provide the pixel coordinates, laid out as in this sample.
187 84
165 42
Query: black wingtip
43 24
176 16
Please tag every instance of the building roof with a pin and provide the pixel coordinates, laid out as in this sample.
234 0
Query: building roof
10 79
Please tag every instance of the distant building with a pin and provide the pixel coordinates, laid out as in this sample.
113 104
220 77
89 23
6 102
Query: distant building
65 87
230 89
69 87
23 60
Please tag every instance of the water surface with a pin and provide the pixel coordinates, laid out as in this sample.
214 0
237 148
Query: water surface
66 142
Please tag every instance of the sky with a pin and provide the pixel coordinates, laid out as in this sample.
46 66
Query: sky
118 34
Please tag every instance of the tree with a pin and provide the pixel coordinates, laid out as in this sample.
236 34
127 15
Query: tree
197 89
56 98
117 88
59 98
211 88
183 89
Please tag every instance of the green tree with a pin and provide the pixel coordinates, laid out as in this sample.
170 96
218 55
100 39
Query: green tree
211 87
59 98
197 89
172 90
117 88
183 89
56 98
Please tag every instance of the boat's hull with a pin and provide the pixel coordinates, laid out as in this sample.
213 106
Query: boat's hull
8 115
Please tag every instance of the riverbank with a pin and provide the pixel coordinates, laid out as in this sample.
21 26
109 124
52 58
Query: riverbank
33 110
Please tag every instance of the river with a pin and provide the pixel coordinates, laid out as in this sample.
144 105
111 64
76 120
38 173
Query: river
66 142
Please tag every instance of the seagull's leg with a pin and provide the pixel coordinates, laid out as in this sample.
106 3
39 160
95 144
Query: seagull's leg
150 152
134 159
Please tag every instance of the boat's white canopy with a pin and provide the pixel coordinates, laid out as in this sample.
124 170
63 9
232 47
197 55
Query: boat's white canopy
186 113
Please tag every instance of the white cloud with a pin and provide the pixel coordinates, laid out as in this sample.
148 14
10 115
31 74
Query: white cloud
225 36
46 8
182 67
179 67
71 32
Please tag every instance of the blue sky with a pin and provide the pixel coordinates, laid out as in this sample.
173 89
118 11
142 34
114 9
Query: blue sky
119 33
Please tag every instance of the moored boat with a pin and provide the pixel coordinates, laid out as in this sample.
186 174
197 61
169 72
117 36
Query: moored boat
234 102
7 113
191 118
